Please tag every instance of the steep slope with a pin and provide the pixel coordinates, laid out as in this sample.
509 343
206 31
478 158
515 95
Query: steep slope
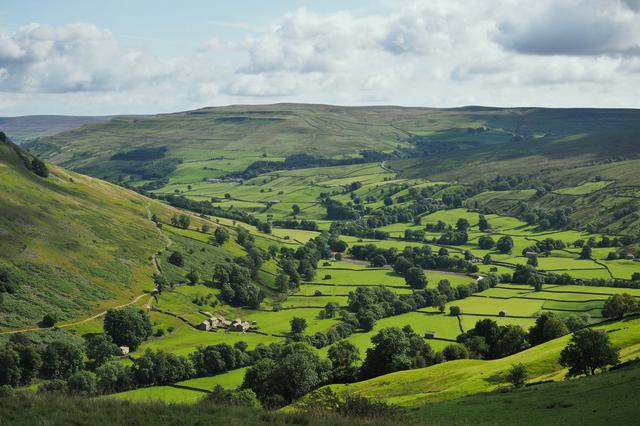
70 245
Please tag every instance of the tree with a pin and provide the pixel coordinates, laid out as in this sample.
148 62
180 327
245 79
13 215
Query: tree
9 367
282 283
618 305
576 322
184 221
82 383
547 327
30 359
455 351
298 325
193 277
39 168
512 339
415 278
100 348
60 359
367 320
221 235
505 244
588 351
586 252
330 309
127 327
485 242
390 352
344 357
160 282
518 375
402 265
462 224
378 261
295 209
113 377
483 224
176 259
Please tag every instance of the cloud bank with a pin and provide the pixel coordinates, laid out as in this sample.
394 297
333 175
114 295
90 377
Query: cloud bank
431 53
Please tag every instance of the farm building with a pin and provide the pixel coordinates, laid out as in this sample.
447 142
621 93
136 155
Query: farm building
239 325
204 325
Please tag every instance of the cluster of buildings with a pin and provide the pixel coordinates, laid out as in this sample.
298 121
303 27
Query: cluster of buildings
220 322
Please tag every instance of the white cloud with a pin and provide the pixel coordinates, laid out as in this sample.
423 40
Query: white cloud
432 53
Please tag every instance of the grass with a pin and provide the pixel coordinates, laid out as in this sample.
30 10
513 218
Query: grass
27 409
601 399
584 188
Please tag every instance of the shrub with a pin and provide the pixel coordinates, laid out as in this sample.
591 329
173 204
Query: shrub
234 397
48 320
176 259
518 375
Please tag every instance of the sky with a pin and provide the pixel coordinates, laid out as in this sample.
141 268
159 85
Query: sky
142 56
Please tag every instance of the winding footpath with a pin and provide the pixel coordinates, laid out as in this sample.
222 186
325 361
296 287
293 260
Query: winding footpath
156 265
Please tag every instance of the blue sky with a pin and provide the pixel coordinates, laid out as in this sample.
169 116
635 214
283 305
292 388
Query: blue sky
86 58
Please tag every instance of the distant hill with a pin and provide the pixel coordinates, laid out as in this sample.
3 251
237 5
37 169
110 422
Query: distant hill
70 245
547 147
323 130
28 127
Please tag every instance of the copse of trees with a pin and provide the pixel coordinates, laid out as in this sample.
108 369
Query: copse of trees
183 221
308 225
395 349
488 340
422 257
287 375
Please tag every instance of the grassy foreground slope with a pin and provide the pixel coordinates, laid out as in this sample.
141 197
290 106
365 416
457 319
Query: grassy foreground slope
70 244
602 399
457 379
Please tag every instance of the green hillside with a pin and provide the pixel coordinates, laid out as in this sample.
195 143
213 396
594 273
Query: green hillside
71 245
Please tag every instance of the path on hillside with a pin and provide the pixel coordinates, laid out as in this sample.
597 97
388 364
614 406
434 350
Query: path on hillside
168 241
156 266
71 324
